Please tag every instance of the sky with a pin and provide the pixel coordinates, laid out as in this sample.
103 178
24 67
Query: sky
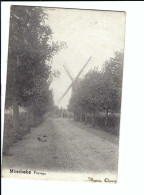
87 33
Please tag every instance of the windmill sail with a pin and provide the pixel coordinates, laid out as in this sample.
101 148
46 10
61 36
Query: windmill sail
75 79
68 72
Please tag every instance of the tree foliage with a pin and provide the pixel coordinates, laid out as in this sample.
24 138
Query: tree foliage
31 50
99 91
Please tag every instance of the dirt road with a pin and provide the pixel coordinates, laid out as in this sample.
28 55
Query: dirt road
60 145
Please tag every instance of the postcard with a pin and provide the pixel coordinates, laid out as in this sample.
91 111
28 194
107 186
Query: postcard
63 94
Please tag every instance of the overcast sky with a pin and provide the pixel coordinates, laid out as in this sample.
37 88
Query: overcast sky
87 33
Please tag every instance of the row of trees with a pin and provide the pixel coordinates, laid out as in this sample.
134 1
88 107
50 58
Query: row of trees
99 91
30 53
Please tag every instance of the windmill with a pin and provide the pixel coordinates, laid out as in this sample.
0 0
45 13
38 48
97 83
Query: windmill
73 83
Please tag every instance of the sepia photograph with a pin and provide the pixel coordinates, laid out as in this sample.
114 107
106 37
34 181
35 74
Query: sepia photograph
63 94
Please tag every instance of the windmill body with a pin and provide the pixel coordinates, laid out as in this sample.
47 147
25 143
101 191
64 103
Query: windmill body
73 80
74 84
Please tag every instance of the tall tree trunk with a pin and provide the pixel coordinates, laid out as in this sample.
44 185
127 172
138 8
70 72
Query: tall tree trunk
15 103
81 116
106 118
85 118
74 117
16 116
93 119
29 119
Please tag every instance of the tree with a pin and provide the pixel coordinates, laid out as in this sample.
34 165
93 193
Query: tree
112 84
31 50
99 90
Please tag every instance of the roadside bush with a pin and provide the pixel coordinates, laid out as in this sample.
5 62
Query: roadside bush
10 135
112 124
26 121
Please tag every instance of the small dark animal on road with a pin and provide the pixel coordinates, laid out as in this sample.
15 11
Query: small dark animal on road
42 140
